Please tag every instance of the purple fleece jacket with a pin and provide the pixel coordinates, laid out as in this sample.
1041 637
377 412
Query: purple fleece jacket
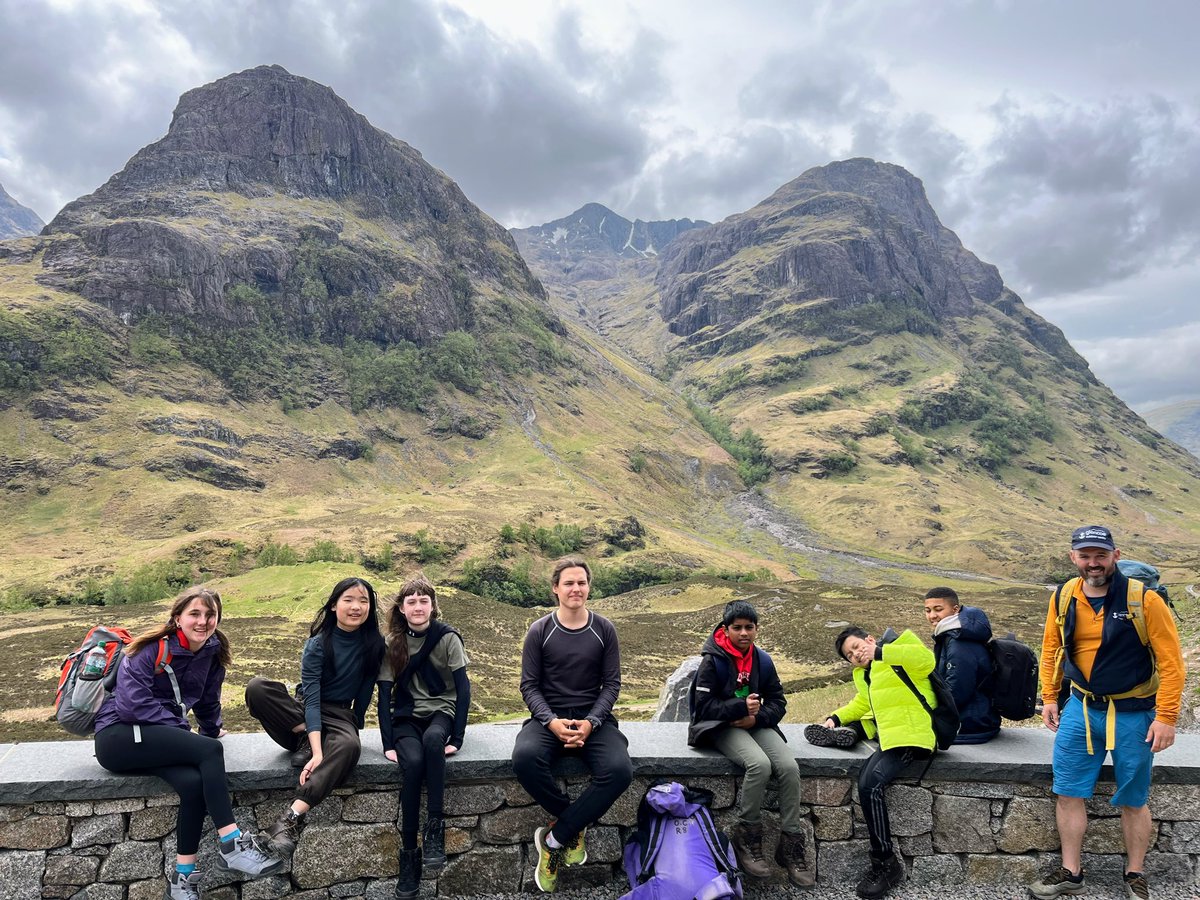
144 698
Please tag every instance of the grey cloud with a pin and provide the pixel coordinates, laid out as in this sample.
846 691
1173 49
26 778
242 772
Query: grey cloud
1074 196
819 87
731 173
1146 368
515 128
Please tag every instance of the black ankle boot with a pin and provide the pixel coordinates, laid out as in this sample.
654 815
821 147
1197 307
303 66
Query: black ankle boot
408 885
433 844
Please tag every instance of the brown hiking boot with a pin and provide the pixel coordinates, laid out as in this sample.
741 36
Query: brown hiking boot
282 837
748 848
789 853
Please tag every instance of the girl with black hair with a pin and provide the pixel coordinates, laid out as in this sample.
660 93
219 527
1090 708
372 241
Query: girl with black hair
424 695
338 670
143 727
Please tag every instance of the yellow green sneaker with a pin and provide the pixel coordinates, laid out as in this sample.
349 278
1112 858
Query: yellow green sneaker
550 860
576 852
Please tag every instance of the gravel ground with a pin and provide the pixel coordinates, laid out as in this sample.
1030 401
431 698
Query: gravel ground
1106 889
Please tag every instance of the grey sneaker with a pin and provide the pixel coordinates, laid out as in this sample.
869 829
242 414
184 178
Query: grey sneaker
183 887
1055 883
1136 887
244 855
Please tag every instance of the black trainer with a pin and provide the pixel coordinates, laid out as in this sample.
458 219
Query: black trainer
823 736
882 877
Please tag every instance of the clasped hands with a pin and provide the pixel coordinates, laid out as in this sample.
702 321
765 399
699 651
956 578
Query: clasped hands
572 732
753 705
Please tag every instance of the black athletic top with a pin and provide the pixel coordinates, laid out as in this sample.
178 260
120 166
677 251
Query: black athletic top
565 670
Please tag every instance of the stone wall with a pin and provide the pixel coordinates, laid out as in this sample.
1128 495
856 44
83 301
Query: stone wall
979 815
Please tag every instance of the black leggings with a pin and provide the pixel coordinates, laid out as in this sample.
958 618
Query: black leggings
421 752
877 773
194 765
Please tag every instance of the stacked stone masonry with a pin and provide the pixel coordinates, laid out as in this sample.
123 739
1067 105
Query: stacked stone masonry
979 815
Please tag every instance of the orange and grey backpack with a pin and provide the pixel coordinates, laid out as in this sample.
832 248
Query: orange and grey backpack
89 675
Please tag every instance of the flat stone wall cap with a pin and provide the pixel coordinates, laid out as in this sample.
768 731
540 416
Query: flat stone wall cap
67 770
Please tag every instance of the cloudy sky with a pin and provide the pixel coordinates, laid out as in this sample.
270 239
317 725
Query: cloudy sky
1060 140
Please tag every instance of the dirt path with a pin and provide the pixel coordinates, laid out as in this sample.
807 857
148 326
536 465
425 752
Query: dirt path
757 513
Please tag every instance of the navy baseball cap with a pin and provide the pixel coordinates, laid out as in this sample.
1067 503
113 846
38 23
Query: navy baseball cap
1092 536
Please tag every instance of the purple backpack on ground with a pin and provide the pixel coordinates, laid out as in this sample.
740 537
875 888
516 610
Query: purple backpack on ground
676 852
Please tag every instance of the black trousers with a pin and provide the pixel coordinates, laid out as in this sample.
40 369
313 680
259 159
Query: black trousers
883 767
606 754
192 764
421 751
279 712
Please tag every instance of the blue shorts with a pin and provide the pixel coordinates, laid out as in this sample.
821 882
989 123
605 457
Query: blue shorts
1076 773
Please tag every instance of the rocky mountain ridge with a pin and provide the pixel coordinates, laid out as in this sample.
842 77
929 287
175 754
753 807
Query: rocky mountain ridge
279 327
262 177
17 220
887 380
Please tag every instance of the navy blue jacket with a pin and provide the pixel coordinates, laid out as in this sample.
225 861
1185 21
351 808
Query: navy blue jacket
964 662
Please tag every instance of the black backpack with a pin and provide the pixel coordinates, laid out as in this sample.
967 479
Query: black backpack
1013 684
944 715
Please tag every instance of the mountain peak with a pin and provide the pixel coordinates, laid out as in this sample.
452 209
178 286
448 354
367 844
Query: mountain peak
265 131
16 220
594 228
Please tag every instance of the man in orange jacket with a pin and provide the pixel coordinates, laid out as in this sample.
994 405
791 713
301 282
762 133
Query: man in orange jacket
1115 644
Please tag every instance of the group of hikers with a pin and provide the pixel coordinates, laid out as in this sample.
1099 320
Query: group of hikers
1109 645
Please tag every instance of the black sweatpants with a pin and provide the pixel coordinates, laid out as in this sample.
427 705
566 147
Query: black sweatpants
280 713
421 751
194 765
606 754
877 773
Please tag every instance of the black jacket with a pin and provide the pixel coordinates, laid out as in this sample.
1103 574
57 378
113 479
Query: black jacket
715 705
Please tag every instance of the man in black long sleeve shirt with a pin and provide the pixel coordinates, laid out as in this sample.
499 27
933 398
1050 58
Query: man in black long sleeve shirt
570 679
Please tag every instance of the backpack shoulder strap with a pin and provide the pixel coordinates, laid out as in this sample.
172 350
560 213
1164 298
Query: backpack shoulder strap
652 847
713 840
908 683
766 665
162 663
1134 601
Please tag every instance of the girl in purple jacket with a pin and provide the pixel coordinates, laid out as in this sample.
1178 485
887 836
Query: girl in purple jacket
143 727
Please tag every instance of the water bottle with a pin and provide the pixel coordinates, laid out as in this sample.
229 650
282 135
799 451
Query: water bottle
93 664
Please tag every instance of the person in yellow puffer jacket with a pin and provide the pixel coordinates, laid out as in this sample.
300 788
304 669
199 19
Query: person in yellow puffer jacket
885 709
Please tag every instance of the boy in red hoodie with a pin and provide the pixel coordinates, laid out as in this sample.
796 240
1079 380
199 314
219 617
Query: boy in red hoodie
738 703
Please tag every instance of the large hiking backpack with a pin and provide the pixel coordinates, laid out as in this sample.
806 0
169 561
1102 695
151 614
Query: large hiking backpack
89 674
945 716
1149 576
677 852
1013 684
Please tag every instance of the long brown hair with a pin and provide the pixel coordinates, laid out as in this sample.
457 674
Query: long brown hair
398 624
211 599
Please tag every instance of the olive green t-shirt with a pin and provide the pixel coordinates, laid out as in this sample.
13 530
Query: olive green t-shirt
447 657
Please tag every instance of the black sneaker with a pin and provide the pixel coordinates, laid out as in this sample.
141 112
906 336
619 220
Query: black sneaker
821 736
1055 883
1136 887
882 877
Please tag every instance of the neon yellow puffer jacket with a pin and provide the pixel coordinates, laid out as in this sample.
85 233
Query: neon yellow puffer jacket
900 720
